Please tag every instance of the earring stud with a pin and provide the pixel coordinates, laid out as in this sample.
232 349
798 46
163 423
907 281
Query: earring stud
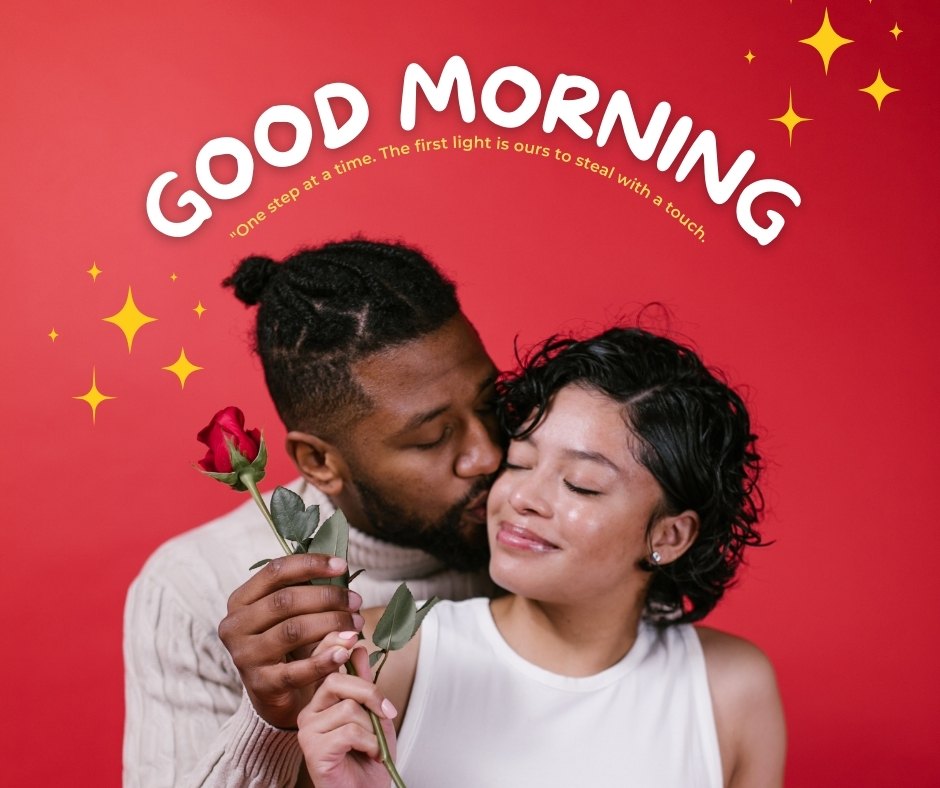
655 557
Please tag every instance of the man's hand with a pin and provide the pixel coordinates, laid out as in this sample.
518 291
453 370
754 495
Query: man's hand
274 623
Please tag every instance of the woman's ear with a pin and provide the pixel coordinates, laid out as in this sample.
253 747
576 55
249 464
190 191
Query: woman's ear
318 461
673 535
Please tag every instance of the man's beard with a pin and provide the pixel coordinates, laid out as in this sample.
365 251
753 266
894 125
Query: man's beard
461 549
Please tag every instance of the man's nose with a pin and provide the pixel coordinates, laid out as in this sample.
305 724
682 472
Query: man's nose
481 453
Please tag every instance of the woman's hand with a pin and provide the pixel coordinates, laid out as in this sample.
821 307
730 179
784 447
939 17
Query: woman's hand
335 731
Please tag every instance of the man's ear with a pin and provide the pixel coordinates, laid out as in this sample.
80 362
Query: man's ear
318 461
673 534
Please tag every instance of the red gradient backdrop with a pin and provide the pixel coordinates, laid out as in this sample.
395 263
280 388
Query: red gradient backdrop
831 328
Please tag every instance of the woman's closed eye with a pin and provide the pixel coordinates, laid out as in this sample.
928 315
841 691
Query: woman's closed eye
581 490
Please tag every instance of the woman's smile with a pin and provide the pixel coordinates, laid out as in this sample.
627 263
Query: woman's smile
516 537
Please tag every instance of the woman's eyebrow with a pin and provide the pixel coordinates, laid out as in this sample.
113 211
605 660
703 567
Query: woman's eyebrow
592 456
577 454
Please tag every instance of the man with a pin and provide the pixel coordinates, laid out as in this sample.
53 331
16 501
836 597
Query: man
387 395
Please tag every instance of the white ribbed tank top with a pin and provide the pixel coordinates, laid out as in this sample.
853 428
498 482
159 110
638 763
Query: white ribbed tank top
480 716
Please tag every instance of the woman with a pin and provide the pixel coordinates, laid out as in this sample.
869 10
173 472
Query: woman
627 497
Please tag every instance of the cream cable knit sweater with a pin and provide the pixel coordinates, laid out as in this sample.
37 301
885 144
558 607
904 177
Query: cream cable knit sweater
188 721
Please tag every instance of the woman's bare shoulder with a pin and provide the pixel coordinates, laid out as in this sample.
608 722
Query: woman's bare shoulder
735 660
747 707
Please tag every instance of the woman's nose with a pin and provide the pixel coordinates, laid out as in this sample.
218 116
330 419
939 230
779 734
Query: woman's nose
527 495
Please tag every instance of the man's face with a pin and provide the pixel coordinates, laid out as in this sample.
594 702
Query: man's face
421 462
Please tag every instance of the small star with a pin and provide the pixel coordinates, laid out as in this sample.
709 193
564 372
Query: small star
895 31
826 41
879 89
790 119
93 272
129 319
749 57
173 277
53 335
182 368
199 309
93 397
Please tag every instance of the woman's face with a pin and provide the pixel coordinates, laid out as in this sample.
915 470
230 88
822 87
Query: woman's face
568 516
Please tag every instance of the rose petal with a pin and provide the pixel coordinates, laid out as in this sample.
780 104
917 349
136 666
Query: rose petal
228 422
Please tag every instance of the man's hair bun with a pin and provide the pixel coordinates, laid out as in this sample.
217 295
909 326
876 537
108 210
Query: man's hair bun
250 278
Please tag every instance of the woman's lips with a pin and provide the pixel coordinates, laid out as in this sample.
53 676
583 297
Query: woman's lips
519 538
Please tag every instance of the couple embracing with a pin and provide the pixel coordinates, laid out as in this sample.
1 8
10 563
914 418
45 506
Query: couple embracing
588 509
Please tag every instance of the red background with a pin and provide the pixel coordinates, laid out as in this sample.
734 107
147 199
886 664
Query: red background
830 328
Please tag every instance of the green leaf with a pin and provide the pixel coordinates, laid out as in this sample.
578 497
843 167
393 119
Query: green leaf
374 657
284 505
293 522
308 521
423 611
262 562
332 537
397 624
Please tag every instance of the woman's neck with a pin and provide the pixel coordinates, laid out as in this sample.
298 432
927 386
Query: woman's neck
570 640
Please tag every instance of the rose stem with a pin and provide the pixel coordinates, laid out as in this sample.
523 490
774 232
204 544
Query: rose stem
248 480
386 756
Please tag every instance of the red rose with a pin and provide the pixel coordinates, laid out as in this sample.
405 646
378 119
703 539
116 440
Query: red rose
227 423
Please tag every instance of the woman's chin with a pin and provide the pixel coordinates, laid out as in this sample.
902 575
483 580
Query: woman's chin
519 577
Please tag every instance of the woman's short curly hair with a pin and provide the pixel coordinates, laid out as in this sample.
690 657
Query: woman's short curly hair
693 435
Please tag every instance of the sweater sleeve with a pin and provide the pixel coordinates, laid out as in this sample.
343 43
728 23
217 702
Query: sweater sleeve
188 722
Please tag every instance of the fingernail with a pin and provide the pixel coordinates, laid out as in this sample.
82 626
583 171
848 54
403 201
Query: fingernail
355 601
348 635
340 656
389 710
336 563
358 621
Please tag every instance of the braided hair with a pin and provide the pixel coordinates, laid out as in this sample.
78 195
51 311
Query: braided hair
323 309
693 435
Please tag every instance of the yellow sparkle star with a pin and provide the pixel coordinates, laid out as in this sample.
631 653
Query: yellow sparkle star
749 57
895 31
53 334
93 397
826 41
130 319
790 119
879 89
199 309
93 272
173 277
182 368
